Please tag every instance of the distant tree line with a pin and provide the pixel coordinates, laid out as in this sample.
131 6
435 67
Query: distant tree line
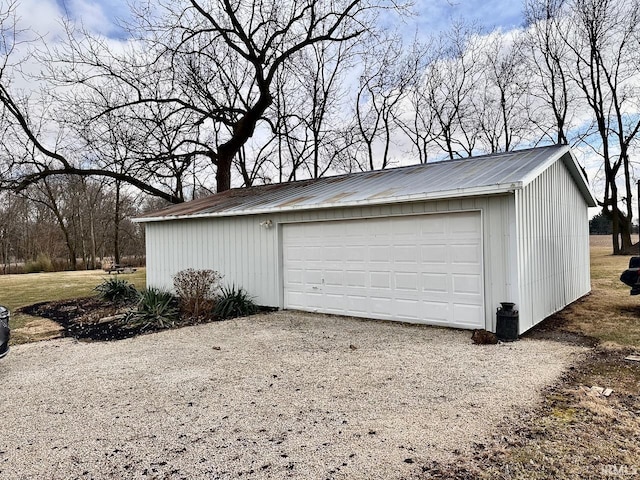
600 225
206 95
68 223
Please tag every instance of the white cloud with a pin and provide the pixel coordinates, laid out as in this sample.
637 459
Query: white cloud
98 17
433 16
44 17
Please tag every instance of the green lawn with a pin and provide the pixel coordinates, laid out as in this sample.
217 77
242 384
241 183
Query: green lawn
22 290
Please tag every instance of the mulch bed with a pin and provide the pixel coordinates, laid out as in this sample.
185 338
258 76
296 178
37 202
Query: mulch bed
82 318
89 319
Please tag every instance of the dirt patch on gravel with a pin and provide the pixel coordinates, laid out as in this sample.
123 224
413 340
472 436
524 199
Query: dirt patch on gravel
42 329
558 328
284 395
574 434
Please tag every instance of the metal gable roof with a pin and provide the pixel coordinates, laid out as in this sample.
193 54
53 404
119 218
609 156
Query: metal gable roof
483 175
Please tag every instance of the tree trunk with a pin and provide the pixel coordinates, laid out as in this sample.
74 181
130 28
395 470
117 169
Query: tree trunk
92 236
625 232
242 132
82 239
625 236
70 247
615 221
223 171
116 226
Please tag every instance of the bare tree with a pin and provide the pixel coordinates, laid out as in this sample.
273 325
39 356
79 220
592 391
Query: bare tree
49 194
546 62
501 102
415 117
214 61
384 82
451 84
323 78
604 44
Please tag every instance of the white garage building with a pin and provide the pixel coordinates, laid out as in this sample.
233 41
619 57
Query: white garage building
442 243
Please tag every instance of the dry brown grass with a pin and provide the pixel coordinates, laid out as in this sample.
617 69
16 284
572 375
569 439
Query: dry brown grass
600 241
26 289
609 313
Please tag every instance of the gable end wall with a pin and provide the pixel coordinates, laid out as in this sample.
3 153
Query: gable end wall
553 245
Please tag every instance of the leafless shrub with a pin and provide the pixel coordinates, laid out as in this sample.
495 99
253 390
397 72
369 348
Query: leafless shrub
197 290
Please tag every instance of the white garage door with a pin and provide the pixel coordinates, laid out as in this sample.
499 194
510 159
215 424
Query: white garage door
425 268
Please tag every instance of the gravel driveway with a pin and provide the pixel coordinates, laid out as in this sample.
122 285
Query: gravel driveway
269 396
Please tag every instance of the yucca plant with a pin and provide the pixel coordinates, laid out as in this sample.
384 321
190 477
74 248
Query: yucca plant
116 290
156 308
234 302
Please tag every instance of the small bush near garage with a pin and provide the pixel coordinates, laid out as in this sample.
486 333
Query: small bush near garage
197 291
116 290
234 302
156 309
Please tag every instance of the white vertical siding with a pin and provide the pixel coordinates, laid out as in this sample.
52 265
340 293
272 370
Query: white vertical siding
553 245
248 254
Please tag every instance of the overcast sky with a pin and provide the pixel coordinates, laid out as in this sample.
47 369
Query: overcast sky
100 16
433 15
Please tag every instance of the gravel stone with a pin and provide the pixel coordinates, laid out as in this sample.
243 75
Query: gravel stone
281 395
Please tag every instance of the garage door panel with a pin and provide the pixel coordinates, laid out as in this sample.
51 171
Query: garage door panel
467 284
313 277
380 280
378 226
294 253
336 300
296 300
462 224
333 253
436 311
434 282
379 253
333 278
314 255
468 254
406 281
355 254
314 299
356 278
405 254
468 315
296 276
381 306
407 308
424 268
357 304
436 254
436 227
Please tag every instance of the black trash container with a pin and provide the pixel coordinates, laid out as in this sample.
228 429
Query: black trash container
631 276
4 331
507 322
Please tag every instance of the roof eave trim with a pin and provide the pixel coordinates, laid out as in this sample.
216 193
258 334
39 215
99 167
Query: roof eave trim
536 172
458 193
574 169
584 186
